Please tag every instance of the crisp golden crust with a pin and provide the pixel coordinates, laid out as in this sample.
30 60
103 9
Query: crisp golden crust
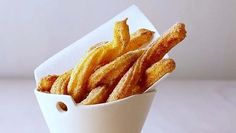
154 53
46 83
97 45
153 74
138 89
139 39
157 71
97 95
121 35
113 71
82 71
96 57
164 44
60 85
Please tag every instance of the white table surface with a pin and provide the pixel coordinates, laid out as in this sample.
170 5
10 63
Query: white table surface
189 106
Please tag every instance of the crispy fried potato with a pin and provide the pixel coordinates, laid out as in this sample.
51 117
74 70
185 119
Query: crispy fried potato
97 45
46 83
154 53
96 57
113 71
138 89
97 95
60 85
157 71
139 39
153 74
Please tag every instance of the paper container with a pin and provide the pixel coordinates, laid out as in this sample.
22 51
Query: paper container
123 116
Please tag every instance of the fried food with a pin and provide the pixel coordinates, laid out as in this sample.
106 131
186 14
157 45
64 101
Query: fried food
60 85
153 74
46 83
157 71
97 45
138 89
100 55
139 39
154 53
97 95
113 71
103 54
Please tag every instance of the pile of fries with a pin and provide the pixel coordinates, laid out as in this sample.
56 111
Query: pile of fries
113 70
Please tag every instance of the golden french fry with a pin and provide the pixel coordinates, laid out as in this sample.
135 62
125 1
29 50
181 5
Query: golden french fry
97 95
46 83
154 53
138 89
157 71
139 39
97 45
113 71
104 53
96 57
60 85
153 74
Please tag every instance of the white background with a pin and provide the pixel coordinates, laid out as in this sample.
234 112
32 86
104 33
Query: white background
31 31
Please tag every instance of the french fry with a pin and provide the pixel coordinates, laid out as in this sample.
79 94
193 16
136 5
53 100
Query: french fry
97 45
157 71
138 39
46 83
60 85
97 95
103 54
96 57
154 53
114 70
138 89
117 69
153 74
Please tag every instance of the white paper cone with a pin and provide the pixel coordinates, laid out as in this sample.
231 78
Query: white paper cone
122 116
